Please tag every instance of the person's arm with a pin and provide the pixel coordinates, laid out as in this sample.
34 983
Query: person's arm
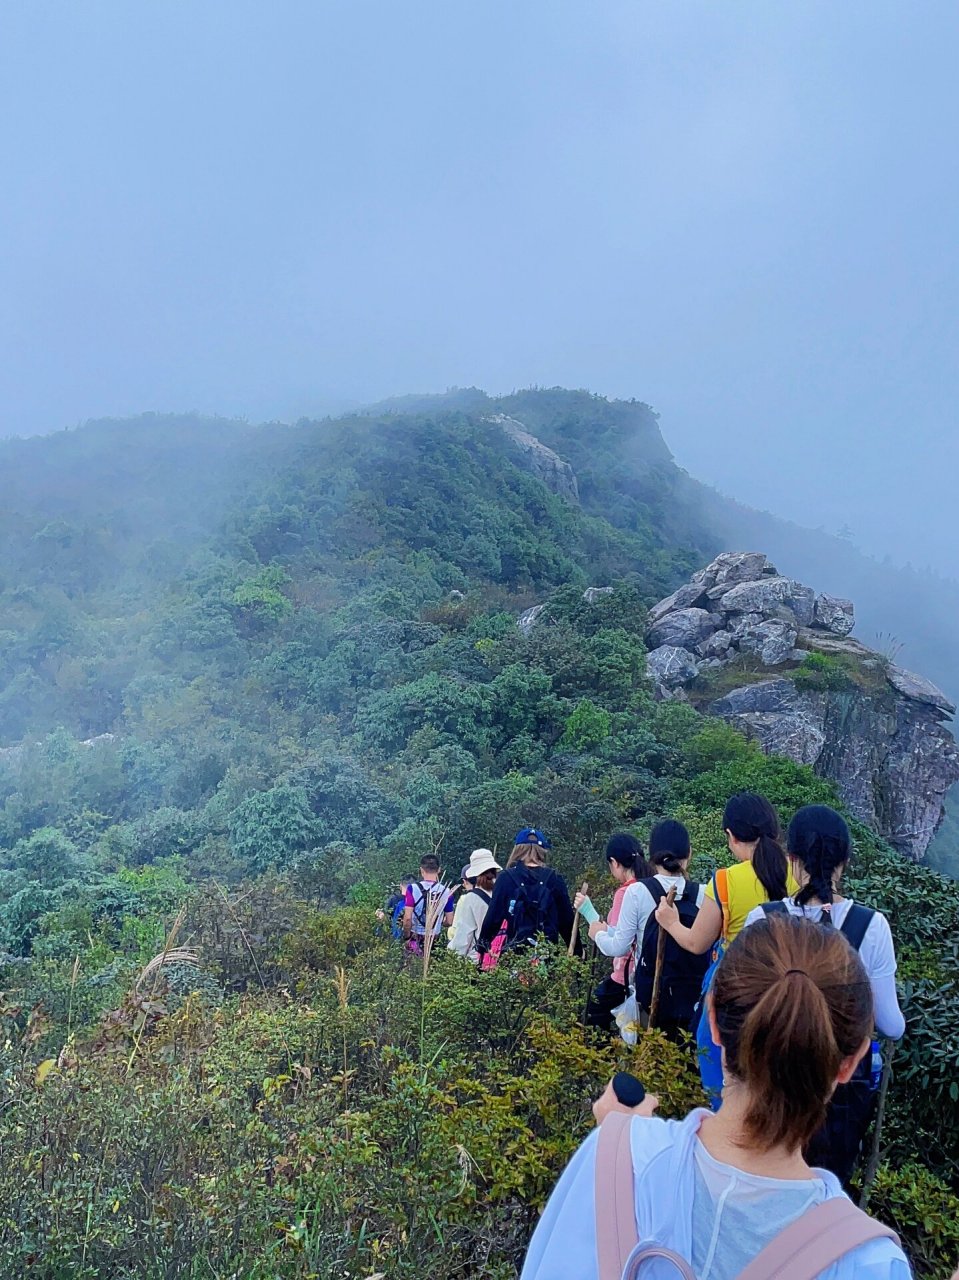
881 965
616 941
564 908
704 931
563 1246
498 910
408 913
463 941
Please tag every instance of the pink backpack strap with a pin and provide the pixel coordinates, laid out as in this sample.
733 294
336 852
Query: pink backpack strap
615 1200
817 1239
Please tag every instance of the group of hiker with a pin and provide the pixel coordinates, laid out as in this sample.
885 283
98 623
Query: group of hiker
783 983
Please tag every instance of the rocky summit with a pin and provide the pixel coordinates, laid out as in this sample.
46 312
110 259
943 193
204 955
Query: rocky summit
808 690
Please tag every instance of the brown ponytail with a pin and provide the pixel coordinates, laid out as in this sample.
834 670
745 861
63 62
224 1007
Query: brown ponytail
792 1001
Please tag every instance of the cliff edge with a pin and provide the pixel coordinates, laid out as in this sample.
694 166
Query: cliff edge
777 660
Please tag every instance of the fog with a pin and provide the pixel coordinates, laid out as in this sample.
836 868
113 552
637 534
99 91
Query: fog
742 214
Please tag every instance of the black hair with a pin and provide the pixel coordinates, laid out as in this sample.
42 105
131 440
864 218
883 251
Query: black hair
624 848
669 845
819 838
752 819
430 863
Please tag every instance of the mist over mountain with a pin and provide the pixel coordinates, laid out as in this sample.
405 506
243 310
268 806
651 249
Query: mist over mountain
109 532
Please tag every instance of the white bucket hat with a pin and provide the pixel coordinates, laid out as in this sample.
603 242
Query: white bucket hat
481 860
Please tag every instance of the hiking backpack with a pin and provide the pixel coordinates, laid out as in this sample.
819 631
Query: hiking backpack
490 959
802 1251
533 910
853 928
426 892
396 920
681 979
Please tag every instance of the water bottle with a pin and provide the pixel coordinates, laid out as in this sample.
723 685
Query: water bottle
875 1074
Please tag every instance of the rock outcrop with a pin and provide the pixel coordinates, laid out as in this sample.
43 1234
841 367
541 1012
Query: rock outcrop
537 458
875 729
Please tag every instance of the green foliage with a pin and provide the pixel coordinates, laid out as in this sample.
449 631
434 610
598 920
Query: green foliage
821 672
588 727
260 599
270 828
924 1213
258 680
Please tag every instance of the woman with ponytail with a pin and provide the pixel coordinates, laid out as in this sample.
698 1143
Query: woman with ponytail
760 874
819 846
624 856
635 928
791 1006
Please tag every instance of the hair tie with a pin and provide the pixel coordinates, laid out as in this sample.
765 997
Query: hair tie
826 906
801 972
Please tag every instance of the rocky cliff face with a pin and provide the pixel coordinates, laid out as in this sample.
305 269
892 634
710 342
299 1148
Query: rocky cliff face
875 729
538 458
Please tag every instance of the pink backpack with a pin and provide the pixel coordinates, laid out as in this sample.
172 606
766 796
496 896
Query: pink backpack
490 959
817 1239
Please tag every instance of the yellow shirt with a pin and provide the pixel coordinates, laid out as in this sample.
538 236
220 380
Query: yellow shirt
744 892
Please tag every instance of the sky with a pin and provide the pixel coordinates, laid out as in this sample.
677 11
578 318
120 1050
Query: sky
743 214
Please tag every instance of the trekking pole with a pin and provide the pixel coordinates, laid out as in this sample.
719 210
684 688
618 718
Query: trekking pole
574 932
658 971
872 1165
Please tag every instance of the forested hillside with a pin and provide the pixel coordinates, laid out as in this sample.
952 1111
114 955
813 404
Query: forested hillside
248 675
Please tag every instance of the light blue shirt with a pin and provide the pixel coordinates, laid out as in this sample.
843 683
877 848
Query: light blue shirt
710 1213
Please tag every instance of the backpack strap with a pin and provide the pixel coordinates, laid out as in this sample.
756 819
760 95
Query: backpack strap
690 893
616 1236
654 888
481 893
774 908
857 921
817 1239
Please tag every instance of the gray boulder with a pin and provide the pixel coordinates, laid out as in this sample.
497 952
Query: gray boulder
919 689
689 594
773 640
766 596
801 603
777 716
732 567
670 665
743 625
835 615
592 594
527 621
717 646
685 628
538 459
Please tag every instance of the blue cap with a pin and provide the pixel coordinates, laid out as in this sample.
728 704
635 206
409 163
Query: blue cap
529 835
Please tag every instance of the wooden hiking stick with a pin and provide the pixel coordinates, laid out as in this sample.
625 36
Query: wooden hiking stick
574 932
875 1152
658 971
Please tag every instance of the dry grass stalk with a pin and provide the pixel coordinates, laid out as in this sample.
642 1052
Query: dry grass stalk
176 955
435 909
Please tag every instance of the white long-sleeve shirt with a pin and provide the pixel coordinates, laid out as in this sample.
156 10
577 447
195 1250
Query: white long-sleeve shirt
638 906
470 913
878 956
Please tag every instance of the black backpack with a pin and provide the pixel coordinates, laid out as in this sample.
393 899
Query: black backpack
853 928
532 910
682 974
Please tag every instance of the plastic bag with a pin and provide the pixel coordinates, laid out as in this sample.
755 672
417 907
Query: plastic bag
627 1019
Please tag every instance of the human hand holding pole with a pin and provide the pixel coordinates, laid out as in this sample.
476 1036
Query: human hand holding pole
574 932
658 972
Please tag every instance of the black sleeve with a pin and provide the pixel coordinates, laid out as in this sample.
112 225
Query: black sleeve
498 910
564 908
